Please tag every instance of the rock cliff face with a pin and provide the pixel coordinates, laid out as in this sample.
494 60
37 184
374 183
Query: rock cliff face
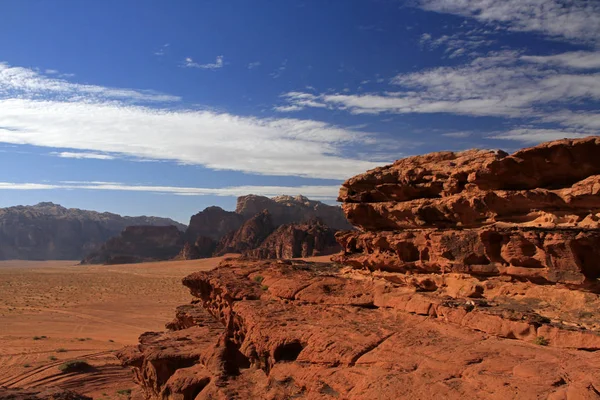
309 239
281 330
533 215
497 308
49 231
214 223
250 235
288 209
139 244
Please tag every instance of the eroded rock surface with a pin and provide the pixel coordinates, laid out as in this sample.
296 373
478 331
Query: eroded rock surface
309 239
40 394
533 215
280 330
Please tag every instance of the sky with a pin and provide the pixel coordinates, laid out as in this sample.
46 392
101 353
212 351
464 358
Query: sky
164 108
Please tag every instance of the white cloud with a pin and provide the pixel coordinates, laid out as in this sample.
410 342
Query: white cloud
574 20
313 192
216 140
533 135
23 82
94 125
574 59
51 72
189 63
94 156
253 65
498 84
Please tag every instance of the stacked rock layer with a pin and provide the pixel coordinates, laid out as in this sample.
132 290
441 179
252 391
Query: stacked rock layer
534 214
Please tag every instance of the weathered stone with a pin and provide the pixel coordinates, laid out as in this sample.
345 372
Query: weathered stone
558 256
309 239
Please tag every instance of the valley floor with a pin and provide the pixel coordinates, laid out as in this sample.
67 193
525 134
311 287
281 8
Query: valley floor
55 311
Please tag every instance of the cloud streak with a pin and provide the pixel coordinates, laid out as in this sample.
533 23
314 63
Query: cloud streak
313 192
570 20
92 126
189 63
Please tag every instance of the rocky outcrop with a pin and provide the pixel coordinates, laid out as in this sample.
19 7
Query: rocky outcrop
309 239
139 244
290 209
249 236
49 231
203 247
532 215
281 330
214 223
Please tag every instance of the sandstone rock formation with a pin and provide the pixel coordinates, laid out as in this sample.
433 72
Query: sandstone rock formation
482 298
533 215
49 231
249 236
139 244
281 330
203 247
213 222
289 209
309 239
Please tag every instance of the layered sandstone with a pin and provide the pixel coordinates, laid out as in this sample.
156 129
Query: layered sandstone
280 330
533 215
139 244
309 239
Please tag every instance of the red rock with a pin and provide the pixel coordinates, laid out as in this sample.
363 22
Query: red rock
40 394
559 256
249 236
139 244
298 240
555 164
575 206
316 331
213 223
292 209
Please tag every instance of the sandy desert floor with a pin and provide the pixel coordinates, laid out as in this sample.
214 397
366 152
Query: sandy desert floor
55 311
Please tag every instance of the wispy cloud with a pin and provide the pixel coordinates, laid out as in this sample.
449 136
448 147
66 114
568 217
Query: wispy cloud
162 50
93 156
254 64
26 83
189 63
499 84
574 59
314 192
58 114
572 20
280 70
51 72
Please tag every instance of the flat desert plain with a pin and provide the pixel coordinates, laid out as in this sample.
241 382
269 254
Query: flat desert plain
55 311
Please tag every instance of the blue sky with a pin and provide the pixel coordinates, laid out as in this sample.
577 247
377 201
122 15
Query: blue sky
163 108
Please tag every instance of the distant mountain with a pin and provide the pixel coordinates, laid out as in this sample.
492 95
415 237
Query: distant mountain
48 231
